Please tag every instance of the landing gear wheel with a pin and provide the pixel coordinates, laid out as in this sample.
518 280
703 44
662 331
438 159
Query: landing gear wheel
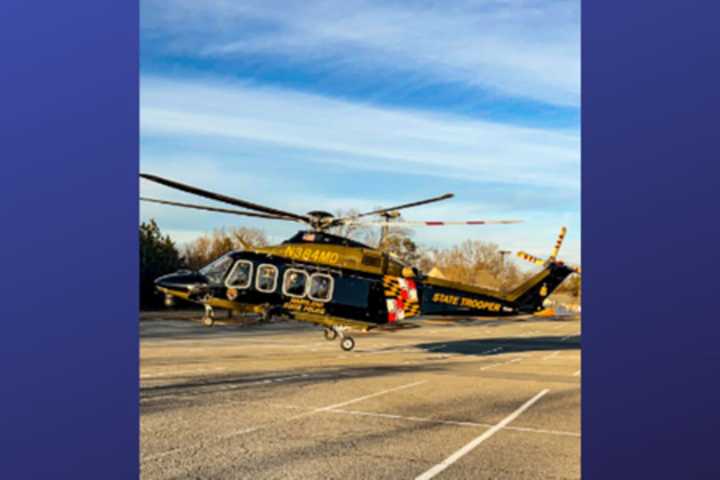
330 334
347 344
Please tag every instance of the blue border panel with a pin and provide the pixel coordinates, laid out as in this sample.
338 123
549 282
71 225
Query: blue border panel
68 223
651 376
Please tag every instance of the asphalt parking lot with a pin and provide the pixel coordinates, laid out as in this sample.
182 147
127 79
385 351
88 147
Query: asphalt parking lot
482 399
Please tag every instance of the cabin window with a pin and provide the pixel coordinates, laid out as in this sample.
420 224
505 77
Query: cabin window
240 275
321 287
295 283
267 276
215 271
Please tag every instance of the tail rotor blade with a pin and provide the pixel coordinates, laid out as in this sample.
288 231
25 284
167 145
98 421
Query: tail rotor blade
558 243
531 258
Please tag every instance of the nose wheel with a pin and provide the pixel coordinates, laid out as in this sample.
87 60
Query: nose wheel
169 301
330 334
208 319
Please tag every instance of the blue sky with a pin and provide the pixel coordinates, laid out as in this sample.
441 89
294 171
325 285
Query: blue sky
334 105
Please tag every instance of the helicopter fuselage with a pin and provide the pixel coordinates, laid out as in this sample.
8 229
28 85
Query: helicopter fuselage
315 275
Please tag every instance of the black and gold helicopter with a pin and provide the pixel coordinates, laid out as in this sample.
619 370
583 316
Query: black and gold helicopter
338 283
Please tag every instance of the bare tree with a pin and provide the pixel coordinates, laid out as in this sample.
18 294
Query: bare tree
474 262
208 247
402 247
251 236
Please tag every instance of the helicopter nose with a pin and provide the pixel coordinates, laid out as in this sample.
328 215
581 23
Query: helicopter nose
194 283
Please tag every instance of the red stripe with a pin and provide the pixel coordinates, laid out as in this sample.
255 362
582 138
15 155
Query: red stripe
434 223
475 222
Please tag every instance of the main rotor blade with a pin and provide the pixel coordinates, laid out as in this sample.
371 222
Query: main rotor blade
432 223
215 209
222 198
339 221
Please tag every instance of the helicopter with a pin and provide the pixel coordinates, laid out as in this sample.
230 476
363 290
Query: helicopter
340 284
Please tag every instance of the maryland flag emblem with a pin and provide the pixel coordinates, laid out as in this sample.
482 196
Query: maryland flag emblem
401 297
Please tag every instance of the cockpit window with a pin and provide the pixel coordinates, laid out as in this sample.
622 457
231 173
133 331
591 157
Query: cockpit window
241 275
295 283
321 287
266 278
215 271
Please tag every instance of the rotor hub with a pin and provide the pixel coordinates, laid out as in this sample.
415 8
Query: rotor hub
320 219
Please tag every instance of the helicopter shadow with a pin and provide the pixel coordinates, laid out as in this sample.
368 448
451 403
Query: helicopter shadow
497 346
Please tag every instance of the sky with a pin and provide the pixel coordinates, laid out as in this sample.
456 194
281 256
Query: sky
328 105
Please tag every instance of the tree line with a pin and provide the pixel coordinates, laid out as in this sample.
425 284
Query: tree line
473 262
159 254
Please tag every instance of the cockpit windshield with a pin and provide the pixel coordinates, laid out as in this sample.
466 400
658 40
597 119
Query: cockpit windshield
216 270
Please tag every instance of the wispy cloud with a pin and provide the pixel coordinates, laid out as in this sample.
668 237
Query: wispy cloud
527 49
358 136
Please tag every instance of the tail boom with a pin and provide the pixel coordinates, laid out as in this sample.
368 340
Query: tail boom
446 298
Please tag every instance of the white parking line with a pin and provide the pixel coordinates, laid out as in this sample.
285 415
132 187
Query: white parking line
477 441
444 422
359 399
272 424
501 363
492 350
436 347
568 336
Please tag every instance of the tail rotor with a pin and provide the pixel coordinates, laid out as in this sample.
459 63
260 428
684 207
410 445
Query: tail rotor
553 255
